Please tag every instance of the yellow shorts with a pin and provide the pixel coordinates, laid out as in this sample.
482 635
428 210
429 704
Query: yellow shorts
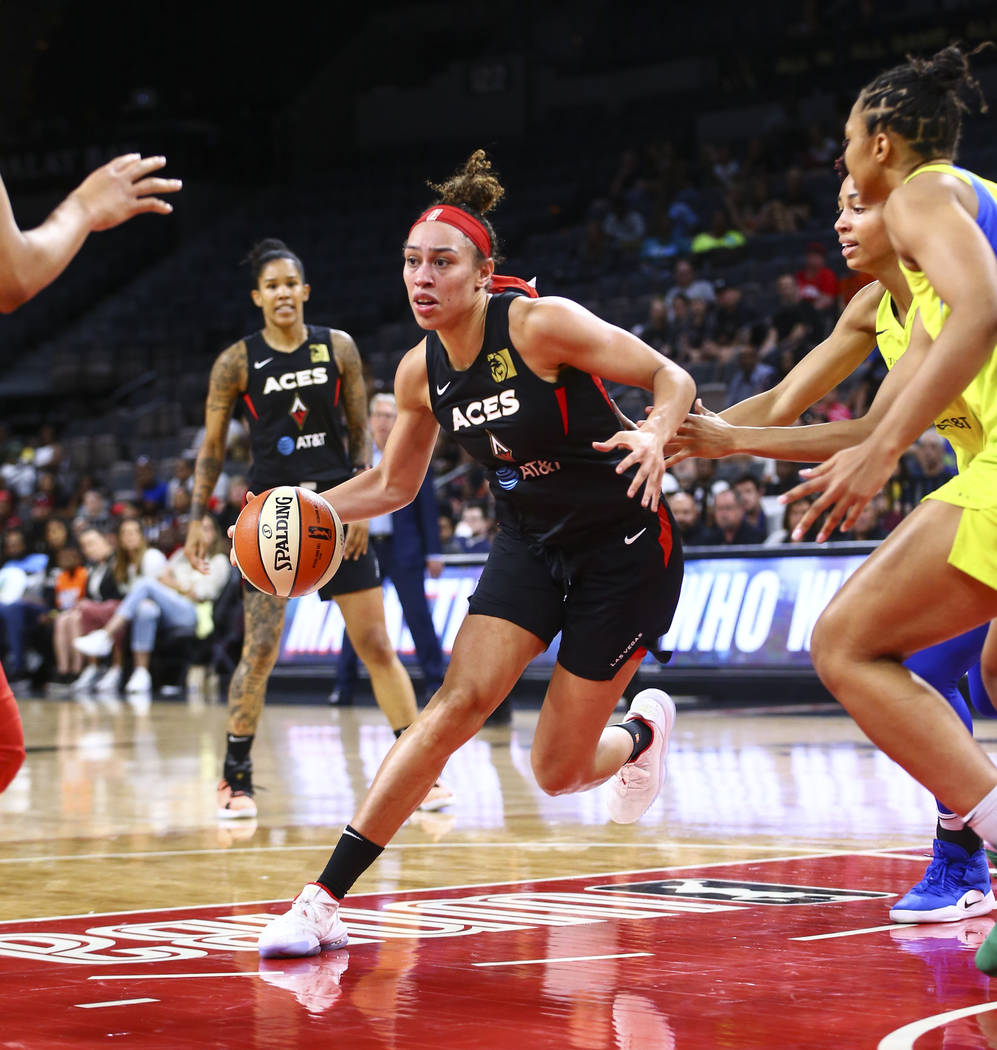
974 550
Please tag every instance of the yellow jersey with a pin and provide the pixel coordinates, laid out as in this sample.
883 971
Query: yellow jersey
976 484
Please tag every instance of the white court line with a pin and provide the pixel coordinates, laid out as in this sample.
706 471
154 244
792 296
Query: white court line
113 1002
568 958
163 976
356 898
854 933
904 1038
545 846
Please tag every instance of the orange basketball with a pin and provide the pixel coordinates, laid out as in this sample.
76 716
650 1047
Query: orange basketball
288 541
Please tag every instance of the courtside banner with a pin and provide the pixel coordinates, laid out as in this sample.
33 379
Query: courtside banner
750 608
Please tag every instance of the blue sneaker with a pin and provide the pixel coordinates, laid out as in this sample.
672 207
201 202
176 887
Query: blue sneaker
955 886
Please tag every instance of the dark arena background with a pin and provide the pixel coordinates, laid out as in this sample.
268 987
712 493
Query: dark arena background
671 168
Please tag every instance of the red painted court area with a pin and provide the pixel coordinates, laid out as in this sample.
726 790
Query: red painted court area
777 953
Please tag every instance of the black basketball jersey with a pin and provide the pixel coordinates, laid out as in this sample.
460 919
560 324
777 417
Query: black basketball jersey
295 421
534 437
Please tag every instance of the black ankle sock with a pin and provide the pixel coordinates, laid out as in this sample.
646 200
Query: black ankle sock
352 856
965 837
237 748
642 733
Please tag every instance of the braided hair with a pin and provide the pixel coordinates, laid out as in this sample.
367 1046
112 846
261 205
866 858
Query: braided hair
474 187
922 101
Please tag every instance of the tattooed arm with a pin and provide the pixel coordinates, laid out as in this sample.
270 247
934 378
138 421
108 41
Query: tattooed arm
358 432
229 379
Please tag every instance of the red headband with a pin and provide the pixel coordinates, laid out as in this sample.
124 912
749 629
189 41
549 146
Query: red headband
459 219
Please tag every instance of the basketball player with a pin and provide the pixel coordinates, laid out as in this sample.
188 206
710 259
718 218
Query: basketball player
957 883
296 383
31 259
935 575
584 546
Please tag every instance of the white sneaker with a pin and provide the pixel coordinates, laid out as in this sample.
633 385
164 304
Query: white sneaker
636 785
96 643
84 683
109 680
140 681
312 924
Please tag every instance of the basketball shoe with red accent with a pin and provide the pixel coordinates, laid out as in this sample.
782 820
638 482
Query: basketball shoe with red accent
312 924
636 785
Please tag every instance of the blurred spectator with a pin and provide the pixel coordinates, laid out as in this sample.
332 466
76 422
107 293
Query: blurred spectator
94 610
656 329
757 210
134 560
926 467
473 531
183 477
830 408
235 500
794 325
749 492
816 280
750 376
686 512
92 513
722 233
791 517
623 227
180 599
731 320
688 284
867 527
797 199
692 334
449 544
150 491
729 526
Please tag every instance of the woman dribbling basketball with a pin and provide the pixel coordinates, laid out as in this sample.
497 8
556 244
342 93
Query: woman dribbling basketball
585 547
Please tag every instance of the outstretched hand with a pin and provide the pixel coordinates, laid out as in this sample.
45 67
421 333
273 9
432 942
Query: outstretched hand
847 481
645 453
123 188
701 434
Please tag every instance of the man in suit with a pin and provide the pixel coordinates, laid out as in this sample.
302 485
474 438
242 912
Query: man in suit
407 545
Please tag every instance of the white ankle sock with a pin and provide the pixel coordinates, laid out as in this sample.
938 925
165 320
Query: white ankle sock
983 816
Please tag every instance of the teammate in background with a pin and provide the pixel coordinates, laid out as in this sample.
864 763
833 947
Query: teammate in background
297 383
29 260
957 883
586 545
935 575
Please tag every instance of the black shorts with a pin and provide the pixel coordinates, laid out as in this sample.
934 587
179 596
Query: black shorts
354 575
615 596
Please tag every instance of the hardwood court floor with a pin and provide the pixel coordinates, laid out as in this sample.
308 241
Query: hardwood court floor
747 909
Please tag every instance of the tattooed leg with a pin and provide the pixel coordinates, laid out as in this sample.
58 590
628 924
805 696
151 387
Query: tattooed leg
264 616
363 612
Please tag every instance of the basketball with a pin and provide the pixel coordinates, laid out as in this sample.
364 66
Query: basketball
288 541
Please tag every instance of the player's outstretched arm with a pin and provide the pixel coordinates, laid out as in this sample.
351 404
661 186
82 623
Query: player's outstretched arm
395 481
124 187
752 426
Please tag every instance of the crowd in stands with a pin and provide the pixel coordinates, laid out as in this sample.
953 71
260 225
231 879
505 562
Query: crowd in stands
724 265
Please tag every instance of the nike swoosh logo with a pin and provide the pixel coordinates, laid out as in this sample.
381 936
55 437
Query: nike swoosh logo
883 332
636 536
443 389
260 364
352 834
